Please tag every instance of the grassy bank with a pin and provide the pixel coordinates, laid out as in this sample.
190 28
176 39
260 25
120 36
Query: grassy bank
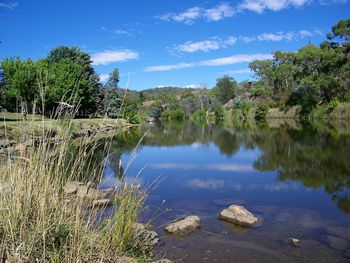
37 221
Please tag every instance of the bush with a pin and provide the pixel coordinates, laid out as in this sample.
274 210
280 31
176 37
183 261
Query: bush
261 112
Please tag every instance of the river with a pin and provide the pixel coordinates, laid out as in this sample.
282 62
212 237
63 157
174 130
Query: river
294 177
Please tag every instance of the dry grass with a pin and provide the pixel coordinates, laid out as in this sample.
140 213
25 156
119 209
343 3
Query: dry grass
36 222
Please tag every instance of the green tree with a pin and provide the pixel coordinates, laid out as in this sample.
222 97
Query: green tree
86 86
225 88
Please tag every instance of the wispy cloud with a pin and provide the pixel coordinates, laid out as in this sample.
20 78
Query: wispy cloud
225 10
204 45
281 36
104 77
216 13
113 56
260 6
121 32
238 71
8 5
223 167
235 59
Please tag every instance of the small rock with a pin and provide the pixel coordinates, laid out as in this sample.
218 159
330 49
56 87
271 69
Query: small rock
337 243
163 261
82 191
144 237
238 215
4 143
71 188
184 226
294 242
125 260
343 232
102 203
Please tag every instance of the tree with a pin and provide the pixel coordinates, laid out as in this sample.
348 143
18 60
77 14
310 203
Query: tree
19 82
225 88
86 87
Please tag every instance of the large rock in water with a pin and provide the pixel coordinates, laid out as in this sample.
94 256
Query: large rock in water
185 226
238 215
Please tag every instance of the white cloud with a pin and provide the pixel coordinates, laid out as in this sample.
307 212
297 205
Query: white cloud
259 6
235 59
204 45
122 32
280 36
104 77
190 15
113 56
332 2
8 5
238 71
219 12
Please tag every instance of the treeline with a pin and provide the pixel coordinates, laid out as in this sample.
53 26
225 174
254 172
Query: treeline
310 77
65 75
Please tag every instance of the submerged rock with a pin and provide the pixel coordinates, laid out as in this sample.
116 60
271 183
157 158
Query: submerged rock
294 242
238 215
185 226
337 243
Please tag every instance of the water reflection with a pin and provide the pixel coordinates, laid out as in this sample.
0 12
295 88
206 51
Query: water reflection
296 177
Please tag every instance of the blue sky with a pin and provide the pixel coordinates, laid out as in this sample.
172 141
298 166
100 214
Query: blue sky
167 42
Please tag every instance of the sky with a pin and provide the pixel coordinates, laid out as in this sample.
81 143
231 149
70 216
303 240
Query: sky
155 43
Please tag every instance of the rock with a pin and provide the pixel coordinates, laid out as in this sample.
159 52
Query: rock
144 237
238 215
184 226
82 191
102 203
4 143
125 260
294 242
343 232
163 261
337 243
71 188
98 194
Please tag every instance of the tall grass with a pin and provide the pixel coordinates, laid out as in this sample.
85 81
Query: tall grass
38 224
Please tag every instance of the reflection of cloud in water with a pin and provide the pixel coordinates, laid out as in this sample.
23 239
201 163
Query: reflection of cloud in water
212 184
276 187
215 167
205 184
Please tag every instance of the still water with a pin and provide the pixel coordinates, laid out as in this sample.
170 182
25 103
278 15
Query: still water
295 178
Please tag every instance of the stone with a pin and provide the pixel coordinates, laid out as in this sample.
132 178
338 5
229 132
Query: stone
143 236
337 243
238 215
163 261
102 203
82 191
294 242
125 260
185 226
4 143
343 232
99 194
71 188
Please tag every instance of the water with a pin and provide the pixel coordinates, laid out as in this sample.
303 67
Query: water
295 178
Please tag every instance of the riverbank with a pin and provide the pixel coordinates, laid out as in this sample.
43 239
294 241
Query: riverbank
40 223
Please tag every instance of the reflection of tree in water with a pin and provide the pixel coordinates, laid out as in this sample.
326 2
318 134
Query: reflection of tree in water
317 159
